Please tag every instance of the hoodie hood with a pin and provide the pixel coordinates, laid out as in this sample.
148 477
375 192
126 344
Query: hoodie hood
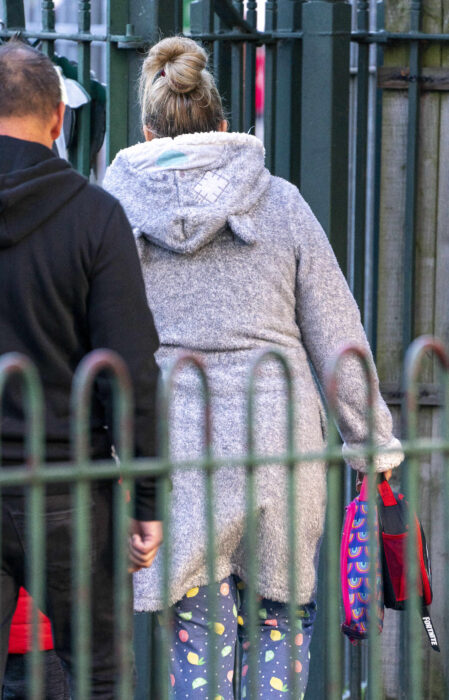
180 193
34 185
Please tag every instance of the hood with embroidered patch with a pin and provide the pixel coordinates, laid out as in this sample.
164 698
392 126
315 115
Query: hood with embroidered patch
180 193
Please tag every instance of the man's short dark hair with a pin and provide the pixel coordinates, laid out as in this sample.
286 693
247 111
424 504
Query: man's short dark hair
29 83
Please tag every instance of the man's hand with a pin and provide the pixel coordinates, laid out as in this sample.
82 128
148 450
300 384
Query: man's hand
361 475
145 538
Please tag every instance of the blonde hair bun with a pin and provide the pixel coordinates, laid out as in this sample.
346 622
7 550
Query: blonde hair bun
177 93
177 60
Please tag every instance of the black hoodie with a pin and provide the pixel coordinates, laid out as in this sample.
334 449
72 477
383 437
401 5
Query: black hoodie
70 282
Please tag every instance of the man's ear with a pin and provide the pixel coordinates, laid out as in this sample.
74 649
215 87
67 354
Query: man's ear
57 121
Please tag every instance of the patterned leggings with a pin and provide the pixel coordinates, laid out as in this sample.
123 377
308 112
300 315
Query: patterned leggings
189 675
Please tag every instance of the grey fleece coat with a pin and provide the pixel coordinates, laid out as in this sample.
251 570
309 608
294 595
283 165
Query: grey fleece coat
235 262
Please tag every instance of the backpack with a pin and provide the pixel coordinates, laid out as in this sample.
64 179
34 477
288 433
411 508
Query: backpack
391 585
355 570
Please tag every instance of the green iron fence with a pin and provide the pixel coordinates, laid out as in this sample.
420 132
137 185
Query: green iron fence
307 128
35 475
307 83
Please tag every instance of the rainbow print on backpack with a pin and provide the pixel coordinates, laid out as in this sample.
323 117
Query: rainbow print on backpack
355 571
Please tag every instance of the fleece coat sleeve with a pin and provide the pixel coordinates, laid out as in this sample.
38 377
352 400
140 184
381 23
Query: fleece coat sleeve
328 318
119 319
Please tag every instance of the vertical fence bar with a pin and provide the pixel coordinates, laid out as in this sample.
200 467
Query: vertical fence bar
153 20
287 127
269 128
324 121
413 362
14 14
222 66
360 159
202 21
83 128
237 78
48 25
372 330
116 79
17 364
249 96
201 16
411 179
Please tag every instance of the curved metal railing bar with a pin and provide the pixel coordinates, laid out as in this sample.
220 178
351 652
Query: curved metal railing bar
415 355
16 364
83 389
334 647
251 515
165 393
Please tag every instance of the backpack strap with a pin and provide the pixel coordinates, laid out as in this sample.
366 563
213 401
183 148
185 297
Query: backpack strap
385 492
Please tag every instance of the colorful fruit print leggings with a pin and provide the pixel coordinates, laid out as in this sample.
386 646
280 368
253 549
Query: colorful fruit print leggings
189 677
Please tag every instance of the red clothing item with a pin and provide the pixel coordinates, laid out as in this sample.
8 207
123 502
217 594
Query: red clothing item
20 634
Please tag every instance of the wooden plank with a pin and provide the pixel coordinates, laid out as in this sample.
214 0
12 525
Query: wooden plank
392 203
439 676
427 256
429 394
399 78
390 279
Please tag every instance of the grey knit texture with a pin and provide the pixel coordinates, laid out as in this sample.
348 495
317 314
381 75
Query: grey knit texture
236 263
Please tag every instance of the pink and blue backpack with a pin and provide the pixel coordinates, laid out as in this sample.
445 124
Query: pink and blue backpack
355 570
391 524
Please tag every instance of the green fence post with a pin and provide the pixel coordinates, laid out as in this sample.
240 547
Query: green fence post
13 14
162 17
249 94
325 107
360 159
83 145
117 77
270 86
48 25
287 127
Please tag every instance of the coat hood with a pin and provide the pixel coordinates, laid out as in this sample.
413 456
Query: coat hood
34 185
181 192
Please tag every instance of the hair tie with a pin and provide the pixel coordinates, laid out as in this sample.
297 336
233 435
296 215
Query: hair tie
159 74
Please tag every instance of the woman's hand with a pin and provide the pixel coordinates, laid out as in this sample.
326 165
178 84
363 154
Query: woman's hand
145 538
361 475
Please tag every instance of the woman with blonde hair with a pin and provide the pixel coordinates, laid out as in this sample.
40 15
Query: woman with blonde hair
236 263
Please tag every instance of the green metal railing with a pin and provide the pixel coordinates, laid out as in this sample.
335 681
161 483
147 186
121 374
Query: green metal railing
35 475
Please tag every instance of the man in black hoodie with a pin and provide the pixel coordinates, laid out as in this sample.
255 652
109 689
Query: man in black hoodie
70 282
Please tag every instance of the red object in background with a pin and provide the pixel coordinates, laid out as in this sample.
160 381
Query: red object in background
20 634
260 81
